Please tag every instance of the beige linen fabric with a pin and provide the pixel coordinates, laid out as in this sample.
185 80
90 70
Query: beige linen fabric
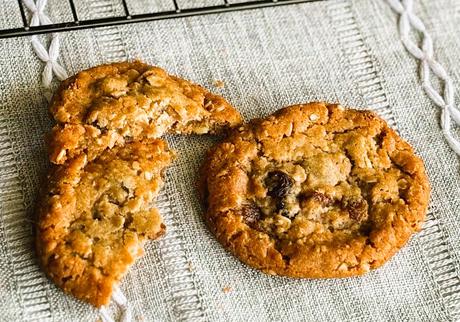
342 51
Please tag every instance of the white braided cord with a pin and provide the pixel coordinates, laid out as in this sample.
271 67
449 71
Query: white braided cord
445 100
52 67
120 299
51 55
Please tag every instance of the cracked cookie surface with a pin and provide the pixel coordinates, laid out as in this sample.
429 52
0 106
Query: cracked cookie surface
95 217
110 105
314 190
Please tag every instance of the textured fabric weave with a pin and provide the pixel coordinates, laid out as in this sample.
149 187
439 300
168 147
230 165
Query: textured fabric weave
342 51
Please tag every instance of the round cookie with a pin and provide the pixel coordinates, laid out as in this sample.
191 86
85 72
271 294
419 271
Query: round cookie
94 217
112 104
315 191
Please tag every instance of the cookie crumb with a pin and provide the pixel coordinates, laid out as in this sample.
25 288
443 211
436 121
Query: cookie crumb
314 117
227 289
219 84
190 266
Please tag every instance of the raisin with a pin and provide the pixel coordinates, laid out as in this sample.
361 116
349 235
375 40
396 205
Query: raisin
128 191
357 209
97 215
366 229
114 201
322 198
128 222
281 208
278 184
251 215
319 197
280 205
379 139
125 189
103 129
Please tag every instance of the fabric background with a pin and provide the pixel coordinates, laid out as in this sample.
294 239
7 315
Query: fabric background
343 51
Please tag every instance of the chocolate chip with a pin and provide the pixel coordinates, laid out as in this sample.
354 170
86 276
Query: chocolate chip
278 184
251 215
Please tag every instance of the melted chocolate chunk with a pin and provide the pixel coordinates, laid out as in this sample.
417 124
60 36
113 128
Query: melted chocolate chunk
278 184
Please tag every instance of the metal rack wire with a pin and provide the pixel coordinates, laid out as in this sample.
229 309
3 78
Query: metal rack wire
226 6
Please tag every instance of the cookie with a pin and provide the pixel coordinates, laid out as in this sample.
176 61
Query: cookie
314 191
94 217
113 104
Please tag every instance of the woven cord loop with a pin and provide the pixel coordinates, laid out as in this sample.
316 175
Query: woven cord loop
50 56
52 67
408 21
120 300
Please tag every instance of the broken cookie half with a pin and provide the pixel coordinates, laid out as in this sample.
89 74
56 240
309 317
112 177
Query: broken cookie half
113 104
99 205
96 215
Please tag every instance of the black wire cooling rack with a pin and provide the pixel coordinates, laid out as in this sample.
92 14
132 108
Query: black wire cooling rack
126 17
